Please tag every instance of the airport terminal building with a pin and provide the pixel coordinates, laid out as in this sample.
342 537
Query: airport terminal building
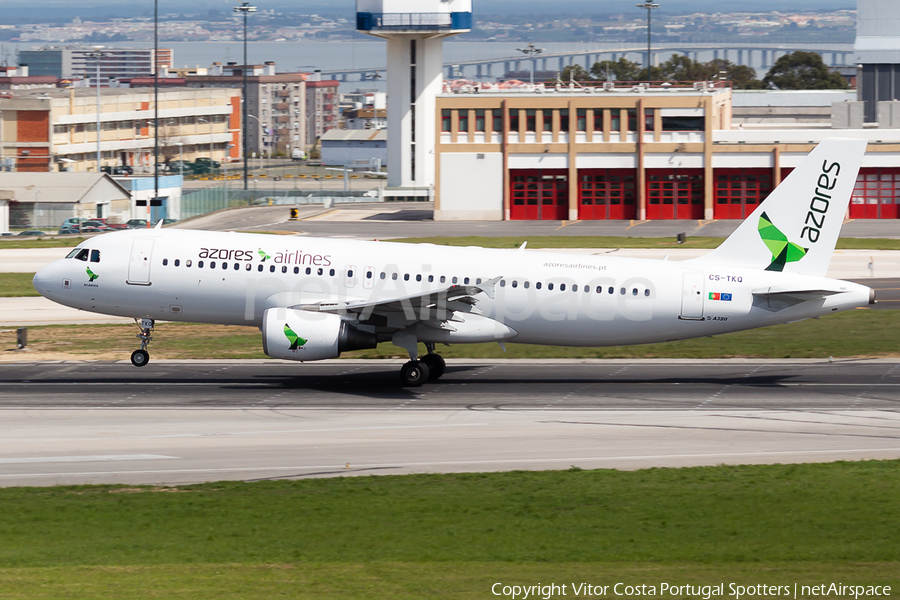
638 152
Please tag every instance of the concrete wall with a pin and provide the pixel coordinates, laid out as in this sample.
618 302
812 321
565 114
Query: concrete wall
344 152
847 115
471 186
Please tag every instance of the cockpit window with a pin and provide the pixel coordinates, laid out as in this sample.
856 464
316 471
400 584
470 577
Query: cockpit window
73 253
82 254
95 256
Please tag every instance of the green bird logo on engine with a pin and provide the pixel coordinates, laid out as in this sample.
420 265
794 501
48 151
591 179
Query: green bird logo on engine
782 250
263 255
92 275
295 340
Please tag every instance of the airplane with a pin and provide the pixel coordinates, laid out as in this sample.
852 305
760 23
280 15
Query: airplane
314 298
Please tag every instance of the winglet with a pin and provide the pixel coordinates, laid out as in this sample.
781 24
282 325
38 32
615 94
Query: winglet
159 224
522 247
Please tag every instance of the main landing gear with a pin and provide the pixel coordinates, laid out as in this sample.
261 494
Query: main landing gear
141 357
429 368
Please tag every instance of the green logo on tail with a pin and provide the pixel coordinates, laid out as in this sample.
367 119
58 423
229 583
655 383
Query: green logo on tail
782 250
91 274
295 340
263 255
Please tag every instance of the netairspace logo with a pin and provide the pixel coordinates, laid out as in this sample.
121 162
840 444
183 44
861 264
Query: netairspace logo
92 275
263 255
782 250
295 340
706 592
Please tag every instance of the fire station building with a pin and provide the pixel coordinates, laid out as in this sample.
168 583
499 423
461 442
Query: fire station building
645 152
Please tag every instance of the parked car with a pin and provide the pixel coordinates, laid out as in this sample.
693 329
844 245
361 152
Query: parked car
96 223
68 231
32 232
89 229
136 223
205 165
72 222
118 170
297 154
176 166
6 234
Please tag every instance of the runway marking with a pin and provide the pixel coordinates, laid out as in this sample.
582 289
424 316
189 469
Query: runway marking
86 458
633 224
342 466
259 432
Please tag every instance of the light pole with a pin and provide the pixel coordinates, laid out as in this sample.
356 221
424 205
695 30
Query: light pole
531 51
245 8
181 159
649 5
97 55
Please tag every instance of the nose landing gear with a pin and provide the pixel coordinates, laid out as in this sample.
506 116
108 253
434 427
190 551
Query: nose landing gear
141 357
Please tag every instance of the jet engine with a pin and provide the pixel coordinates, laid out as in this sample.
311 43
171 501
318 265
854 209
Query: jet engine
306 335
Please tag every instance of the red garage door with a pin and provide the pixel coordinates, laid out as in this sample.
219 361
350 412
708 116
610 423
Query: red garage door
607 194
739 191
674 194
876 193
539 194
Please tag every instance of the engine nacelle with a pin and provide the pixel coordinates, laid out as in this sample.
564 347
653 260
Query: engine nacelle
306 335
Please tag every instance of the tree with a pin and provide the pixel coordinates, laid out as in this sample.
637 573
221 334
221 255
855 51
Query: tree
803 71
619 70
682 68
574 73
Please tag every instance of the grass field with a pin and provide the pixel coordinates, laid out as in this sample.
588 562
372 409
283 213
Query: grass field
549 241
873 335
16 285
454 536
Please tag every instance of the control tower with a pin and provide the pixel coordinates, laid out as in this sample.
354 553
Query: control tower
414 31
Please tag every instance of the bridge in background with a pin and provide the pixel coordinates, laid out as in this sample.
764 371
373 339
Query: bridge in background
757 56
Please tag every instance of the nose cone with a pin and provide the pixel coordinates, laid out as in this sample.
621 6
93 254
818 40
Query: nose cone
46 280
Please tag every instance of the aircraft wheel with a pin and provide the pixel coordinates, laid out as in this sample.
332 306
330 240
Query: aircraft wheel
436 365
139 358
414 373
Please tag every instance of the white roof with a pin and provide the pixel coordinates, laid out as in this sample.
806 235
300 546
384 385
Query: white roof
62 187
355 135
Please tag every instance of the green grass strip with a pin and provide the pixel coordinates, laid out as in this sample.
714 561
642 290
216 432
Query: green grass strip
454 535
856 333
16 285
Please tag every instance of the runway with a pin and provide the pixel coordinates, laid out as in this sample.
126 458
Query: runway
188 421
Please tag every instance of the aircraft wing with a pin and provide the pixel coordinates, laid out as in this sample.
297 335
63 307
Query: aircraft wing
432 308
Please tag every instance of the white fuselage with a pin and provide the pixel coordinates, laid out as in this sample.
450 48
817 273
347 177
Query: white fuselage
547 298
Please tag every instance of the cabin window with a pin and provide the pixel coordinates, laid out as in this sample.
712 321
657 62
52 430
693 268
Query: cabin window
177 262
200 264
95 256
165 262
272 269
382 275
430 278
634 292
599 289
259 268
622 291
455 280
466 281
406 277
647 293
394 276
418 278
478 281
562 287
612 290
308 271
443 279
515 283
249 266
284 269
502 283
320 272
538 285
224 265
212 264
550 286
237 266
331 272
526 285
187 263
349 272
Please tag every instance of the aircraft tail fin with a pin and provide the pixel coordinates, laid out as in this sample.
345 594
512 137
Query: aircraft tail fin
796 228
